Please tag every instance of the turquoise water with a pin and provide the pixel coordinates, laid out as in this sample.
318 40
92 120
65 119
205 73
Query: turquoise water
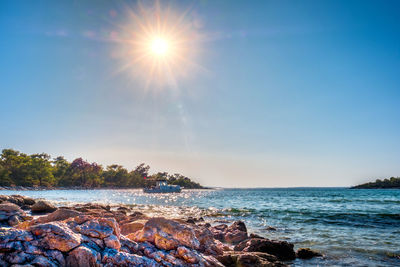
350 227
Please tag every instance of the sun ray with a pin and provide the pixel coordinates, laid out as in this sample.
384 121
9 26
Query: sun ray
158 46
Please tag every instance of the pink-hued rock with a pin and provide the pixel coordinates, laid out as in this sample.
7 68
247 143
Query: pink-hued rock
167 234
56 235
112 242
93 228
83 256
132 227
58 215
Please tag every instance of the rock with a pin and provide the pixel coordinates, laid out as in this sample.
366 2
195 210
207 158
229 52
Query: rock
93 228
83 256
42 261
112 257
58 215
167 234
56 235
208 244
132 227
233 234
43 206
281 249
306 253
112 242
14 220
10 208
249 259
188 255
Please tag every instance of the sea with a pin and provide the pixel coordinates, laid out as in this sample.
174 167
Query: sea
350 227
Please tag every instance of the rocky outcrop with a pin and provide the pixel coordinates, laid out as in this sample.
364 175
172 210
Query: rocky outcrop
306 253
43 206
281 249
100 235
11 214
233 234
167 234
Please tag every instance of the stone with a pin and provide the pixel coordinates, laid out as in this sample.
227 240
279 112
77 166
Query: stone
56 235
93 228
112 242
83 256
11 208
249 259
112 257
14 220
58 215
132 227
167 234
42 261
43 206
188 255
281 249
306 253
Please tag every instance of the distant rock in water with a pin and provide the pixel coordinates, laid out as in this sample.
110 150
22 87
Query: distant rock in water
393 182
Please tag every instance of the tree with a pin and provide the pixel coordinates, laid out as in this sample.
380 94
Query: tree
116 175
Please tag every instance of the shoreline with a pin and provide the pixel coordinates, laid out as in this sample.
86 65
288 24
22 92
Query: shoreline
90 234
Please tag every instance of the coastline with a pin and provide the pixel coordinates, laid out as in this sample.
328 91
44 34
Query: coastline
35 231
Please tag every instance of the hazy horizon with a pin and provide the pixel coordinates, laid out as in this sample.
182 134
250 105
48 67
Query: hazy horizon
260 94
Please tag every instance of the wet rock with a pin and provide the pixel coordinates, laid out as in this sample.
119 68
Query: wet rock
208 244
167 234
83 256
56 235
132 227
249 259
281 249
58 215
306 253
43 206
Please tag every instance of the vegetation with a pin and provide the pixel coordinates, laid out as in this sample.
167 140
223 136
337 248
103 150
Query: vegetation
39 170
392 182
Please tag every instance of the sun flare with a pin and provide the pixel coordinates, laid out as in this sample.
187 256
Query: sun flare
159 45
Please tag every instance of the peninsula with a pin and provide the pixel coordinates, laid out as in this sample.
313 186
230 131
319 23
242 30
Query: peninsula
392 182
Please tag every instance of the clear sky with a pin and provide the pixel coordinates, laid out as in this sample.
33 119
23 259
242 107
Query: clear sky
283 93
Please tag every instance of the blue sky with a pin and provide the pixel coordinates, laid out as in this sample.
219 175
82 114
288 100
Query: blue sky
289 93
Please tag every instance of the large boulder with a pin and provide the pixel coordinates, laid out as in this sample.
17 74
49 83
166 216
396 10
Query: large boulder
11 214
281 249
58 215
132 227
56 235
43 206
83 256
233 234
167 234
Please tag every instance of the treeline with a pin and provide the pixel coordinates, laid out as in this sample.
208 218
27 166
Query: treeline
40 170
392 182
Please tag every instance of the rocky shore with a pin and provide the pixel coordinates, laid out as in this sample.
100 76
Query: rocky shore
36 233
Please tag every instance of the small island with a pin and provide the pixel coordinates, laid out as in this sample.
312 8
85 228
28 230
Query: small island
40 171
391 183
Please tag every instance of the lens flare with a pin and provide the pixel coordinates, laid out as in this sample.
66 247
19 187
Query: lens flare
158 45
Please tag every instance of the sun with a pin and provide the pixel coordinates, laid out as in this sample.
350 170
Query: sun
159 46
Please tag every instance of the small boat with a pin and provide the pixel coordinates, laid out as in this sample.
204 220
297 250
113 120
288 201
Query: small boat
162 186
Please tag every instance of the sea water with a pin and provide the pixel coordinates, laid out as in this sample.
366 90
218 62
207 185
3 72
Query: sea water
350 227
